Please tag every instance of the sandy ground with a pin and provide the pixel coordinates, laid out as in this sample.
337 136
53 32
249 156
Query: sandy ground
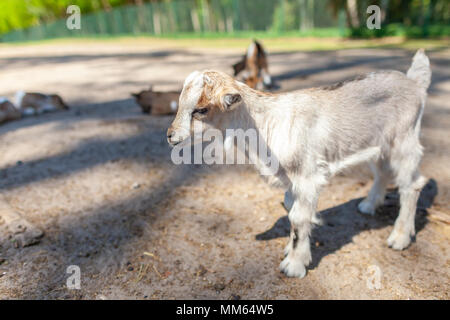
99 182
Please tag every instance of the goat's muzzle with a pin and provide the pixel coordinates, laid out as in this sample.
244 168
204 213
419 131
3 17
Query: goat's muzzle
174 137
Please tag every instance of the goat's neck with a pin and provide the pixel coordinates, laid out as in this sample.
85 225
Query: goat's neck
252 113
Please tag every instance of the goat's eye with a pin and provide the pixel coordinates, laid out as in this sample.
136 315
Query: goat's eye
201 111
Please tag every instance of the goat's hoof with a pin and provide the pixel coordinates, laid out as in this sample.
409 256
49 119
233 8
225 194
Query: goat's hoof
292 268
366 207
398 241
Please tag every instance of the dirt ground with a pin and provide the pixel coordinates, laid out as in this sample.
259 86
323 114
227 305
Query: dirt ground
98 180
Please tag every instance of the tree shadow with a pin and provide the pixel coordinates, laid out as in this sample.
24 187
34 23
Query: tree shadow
100 240
103 241
343 222
99 235
401 61
330 66
148 144
69 58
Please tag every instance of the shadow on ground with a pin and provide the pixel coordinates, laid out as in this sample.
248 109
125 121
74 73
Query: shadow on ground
343 222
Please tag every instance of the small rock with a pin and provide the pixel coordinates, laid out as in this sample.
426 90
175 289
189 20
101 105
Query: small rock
130 268
2 260
235 297
136 185
201 271
219 286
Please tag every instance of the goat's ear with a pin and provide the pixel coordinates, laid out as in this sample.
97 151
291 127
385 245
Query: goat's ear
231 100
239 66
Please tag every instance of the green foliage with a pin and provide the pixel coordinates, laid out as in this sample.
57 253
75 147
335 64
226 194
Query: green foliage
284 17
15 15
20 14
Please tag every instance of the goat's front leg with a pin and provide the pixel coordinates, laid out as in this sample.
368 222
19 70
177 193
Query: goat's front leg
298 251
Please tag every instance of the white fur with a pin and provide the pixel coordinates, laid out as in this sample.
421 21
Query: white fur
194 82
173 105
18 98
267 80
251 50
194 76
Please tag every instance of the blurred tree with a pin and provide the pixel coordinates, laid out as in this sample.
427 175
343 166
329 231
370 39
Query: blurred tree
106 5
407 12
351 10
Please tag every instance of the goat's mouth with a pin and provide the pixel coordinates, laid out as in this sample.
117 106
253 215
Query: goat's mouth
173 143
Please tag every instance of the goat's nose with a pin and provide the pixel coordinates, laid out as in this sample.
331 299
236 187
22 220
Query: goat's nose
169 134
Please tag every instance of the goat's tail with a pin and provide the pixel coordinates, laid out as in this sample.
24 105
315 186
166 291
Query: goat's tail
420 70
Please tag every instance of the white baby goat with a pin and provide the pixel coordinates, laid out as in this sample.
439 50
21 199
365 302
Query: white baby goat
317 132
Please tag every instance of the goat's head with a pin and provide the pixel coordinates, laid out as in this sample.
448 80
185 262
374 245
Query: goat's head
58 102
145 99
205 96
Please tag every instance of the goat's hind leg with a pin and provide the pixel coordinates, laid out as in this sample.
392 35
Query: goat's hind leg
377 193
410 182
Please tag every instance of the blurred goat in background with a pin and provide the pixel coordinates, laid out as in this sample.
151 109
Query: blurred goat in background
32 103
254 67
156 102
